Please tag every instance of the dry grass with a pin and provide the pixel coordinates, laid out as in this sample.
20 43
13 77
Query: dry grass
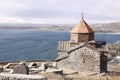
95 77
114 49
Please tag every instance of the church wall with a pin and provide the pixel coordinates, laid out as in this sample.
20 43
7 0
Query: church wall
82 60
77 38
83 38
74 38
91 36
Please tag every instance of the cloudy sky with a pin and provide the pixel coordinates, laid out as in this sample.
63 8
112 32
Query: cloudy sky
59 11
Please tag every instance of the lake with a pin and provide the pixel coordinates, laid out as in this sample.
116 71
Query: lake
20 45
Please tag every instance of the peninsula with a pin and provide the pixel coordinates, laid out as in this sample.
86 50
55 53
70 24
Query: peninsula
79 58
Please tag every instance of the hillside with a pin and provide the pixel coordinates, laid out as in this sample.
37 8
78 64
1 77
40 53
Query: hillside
108 27
105 28
114 49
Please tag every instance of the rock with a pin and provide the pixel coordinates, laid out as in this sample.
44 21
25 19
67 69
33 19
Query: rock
103 74
42 67
1 69
6 66
21 69
52 70
32 65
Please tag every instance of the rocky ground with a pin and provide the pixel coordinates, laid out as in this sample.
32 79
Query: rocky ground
111 75
52 76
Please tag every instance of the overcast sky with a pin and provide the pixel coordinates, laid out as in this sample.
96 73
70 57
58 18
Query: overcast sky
59 11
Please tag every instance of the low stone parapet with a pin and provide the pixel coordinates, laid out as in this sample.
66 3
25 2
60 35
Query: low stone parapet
5 76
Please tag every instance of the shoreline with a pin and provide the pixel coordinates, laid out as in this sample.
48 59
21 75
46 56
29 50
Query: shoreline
117 33
113 33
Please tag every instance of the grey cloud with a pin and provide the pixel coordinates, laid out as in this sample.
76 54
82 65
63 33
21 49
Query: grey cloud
103 9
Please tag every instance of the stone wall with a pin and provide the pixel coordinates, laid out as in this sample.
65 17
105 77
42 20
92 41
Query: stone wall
82 60
74 38
5 76
77 38
63 46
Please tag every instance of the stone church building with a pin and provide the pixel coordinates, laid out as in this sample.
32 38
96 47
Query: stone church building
82 53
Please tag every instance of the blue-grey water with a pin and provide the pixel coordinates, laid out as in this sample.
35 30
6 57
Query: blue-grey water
37 45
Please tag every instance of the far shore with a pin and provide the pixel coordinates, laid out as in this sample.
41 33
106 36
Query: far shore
59 30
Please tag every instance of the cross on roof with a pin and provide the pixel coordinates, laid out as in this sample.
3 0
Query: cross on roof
82 15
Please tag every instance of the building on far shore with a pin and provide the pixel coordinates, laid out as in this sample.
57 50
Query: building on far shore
82 53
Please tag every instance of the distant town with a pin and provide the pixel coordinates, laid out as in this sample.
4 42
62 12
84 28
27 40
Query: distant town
104 28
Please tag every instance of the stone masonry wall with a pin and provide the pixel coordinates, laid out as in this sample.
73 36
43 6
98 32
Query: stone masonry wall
5 76
77 38
82 60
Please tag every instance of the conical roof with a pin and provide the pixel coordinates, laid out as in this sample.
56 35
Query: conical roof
82 27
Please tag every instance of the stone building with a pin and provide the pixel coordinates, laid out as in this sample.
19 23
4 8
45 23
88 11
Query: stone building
82 53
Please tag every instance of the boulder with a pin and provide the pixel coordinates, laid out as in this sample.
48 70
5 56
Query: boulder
21 69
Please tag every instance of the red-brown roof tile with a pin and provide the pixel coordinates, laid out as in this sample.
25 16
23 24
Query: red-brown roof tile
82 27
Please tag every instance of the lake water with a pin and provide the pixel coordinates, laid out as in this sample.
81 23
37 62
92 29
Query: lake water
31 45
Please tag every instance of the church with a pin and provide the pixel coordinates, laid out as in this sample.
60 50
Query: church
82 53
